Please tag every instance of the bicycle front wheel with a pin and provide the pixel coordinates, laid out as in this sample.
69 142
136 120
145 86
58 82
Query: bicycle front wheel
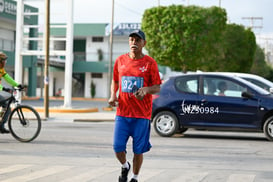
24 123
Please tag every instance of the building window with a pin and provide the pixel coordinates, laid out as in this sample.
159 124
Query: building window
7 39
7 45
96 75
97 39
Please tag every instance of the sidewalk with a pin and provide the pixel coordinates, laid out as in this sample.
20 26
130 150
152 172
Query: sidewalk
80 117
81 110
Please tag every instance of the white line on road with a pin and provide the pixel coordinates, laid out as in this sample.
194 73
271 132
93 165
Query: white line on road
241 178
13 168
191 177
89 175
38 174
145 175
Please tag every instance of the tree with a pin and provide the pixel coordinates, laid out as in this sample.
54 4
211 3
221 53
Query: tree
239 47
185 38
92 89
259 66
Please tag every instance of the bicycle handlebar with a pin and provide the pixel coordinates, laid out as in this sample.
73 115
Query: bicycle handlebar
11 90
22 88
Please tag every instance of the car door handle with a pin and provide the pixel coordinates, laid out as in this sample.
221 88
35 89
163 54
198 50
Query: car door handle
204 101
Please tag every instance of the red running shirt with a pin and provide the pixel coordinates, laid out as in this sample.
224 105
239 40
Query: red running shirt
141 73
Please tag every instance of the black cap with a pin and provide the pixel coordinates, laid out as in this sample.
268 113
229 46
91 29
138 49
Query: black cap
138 33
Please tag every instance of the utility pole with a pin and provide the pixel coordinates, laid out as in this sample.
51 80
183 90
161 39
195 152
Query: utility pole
252 22
267 43
46 77
111 49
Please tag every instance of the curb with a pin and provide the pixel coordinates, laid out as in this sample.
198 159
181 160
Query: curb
93 120
64 110
62 98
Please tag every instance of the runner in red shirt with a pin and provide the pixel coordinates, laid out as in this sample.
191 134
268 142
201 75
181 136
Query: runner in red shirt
136 78
139 73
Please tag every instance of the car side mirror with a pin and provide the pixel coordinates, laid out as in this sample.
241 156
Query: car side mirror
247 95
271 90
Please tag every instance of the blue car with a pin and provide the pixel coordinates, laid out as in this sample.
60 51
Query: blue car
212 101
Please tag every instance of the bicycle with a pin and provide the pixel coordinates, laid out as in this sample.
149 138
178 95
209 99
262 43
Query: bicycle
24 121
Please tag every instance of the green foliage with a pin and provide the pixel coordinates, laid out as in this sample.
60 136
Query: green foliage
184 38
239 45
92 89
259 66
196 38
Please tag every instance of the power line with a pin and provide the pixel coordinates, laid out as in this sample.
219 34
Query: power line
253 20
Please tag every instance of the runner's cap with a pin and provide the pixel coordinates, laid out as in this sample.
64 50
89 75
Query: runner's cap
138 33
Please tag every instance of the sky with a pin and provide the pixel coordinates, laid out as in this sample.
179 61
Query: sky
130 11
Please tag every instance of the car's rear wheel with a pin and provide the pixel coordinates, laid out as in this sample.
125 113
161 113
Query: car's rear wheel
165 123
268 128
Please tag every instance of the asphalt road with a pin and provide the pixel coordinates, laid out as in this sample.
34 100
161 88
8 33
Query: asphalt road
82 151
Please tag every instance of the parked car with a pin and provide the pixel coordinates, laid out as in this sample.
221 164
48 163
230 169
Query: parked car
196 101
255 79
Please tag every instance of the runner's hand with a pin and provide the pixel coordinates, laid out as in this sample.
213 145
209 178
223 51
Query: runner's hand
113 102
140 93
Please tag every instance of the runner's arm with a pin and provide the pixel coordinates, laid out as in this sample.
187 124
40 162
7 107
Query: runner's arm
113 97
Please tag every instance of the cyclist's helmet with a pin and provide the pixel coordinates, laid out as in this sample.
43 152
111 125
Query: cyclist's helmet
3 56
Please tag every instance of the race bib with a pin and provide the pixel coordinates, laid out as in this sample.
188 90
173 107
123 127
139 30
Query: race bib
130 83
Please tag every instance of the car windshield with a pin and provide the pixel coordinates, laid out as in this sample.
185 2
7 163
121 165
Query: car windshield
263 83
255 87
255 79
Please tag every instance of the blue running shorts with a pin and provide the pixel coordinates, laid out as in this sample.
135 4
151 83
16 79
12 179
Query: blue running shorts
137 128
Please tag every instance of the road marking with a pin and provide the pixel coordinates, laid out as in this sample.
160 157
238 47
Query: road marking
91 174
38 174
191 177
13 168
241 178
147 174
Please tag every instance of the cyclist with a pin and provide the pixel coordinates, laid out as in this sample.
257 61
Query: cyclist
9 80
